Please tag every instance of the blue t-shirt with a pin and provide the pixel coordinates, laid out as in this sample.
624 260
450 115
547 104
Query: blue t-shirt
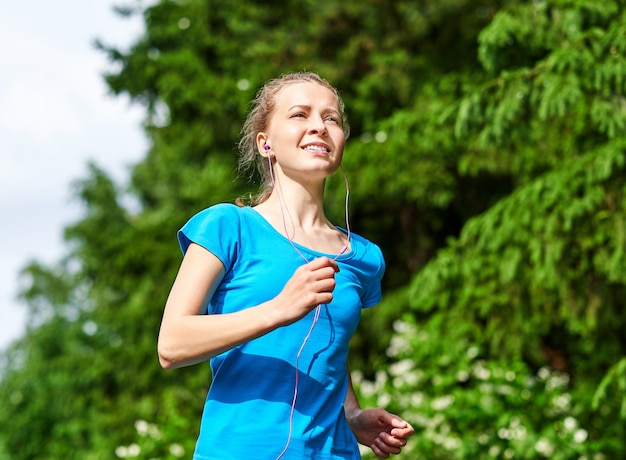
247 410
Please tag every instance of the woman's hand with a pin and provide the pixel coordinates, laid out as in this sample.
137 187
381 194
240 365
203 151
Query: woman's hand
380 430
311 284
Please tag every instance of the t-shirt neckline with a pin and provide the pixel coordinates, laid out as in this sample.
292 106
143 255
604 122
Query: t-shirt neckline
346 255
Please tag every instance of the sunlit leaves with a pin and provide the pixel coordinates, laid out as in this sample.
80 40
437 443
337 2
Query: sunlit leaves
486 159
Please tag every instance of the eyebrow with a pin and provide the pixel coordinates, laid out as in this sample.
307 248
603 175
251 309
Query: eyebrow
308 107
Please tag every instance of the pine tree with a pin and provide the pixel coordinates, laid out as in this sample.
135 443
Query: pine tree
487 160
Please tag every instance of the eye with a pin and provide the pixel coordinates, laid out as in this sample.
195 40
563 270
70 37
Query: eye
332 118
298 115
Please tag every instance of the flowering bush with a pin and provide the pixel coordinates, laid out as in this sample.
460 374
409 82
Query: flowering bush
465 406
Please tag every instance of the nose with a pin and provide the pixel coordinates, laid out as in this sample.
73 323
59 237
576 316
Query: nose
317 125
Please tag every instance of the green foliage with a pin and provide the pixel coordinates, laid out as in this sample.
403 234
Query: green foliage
547 255
160 438
465 405
539 279
486 158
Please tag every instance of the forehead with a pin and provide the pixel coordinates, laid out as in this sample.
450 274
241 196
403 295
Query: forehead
306 93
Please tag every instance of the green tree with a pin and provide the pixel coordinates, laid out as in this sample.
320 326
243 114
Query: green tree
514 347
487 160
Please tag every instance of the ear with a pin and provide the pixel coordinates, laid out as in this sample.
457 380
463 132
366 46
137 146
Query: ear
262 145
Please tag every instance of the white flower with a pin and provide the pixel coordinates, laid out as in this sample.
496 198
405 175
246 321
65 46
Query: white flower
570 423
442 403
380 136
142 427
177 450
134 450
243 84
544 447
580 436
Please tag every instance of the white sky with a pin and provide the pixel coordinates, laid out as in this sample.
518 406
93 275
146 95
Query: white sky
55 116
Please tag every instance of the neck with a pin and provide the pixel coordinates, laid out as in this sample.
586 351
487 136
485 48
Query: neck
303 205
296 209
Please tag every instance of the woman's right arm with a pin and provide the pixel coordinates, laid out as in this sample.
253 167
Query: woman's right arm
187 336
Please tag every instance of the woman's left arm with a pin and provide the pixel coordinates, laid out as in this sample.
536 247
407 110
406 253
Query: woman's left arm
381 431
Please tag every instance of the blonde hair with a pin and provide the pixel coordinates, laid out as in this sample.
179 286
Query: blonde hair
257 121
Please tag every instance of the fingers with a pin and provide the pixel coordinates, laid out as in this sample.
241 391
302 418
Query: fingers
400 428
383 450
391 440
323 262
395 442
321 278
379 453
402 432
386 444
312 284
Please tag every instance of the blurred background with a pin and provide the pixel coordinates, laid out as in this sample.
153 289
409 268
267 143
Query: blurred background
487 158
56 115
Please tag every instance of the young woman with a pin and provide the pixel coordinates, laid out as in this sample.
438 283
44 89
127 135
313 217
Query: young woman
271 294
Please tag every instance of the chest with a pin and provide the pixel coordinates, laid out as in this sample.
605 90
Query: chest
261 269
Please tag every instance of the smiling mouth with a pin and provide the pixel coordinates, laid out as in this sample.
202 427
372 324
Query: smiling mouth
316 148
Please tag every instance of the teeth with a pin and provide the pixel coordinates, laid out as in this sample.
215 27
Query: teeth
316 147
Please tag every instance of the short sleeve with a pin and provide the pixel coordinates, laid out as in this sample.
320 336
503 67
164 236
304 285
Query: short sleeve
216 229
373 294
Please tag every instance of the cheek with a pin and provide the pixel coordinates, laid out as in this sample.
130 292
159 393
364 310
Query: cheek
340 143
288 135
338 157
294 131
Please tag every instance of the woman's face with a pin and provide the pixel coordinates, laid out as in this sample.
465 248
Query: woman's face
305 131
